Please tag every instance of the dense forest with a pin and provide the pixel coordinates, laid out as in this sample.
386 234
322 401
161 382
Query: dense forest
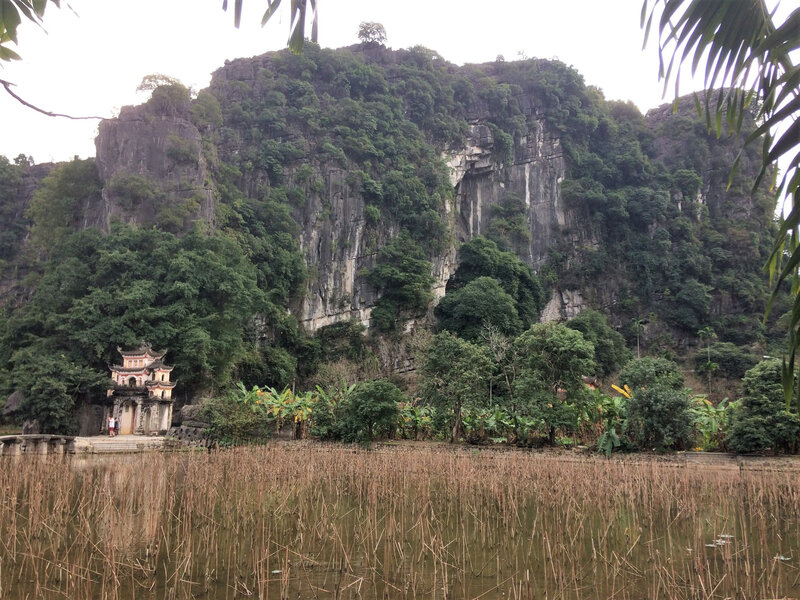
306 223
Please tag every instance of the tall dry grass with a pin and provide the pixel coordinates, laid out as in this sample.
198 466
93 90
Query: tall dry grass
314 521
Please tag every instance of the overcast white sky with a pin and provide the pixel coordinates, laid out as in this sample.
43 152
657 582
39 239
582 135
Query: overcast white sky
95 53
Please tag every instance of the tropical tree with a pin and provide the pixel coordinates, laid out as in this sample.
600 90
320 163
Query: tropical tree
710 421
610 351
552 362
371 33
708 334
52 381
638 326
455 373
660 418
642 373
374 406
481 257
760 421
751 62
481 302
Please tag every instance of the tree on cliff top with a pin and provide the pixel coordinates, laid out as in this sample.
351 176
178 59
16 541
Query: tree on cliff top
370 32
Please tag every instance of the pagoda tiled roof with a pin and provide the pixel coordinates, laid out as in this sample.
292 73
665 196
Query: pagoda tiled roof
143 369
159 364
121 369
167 385
143 350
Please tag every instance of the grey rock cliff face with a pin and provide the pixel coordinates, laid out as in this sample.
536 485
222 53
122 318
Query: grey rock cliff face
535 176
537 170
12 290
161 148
339 245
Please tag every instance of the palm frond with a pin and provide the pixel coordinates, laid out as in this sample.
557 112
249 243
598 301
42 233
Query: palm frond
743 55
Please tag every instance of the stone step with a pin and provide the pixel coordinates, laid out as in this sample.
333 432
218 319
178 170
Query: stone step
124 443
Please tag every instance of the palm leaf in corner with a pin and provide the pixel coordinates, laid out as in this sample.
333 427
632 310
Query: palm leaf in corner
745 56
297 24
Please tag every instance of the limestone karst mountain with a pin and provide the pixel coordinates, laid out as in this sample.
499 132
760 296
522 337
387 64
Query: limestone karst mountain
350 178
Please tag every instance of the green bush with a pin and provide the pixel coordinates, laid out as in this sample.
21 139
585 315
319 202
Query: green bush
481 257
373 410
235 423
384 315
651 372
181 151
357 413
610 351
761 421
659 418
170 100
403 274
482 302
206 111
732 361
131 191
372 215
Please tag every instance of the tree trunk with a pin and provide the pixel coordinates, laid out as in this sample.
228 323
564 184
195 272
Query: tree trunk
456 425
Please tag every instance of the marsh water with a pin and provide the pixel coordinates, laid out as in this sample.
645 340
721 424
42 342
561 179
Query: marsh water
315 521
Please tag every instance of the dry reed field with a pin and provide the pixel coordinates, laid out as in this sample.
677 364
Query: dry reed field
315 521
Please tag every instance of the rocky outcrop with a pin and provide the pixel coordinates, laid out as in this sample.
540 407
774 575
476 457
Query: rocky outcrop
538 168
15 227
338 246
563 305
153 170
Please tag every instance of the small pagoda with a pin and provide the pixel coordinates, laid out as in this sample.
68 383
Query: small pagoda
142 391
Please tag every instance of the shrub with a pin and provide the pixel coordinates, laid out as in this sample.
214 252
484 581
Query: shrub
468 310
206 111
169 100
373 408
761 421
233 423
181 151
610 351
651 372
372 214
732 361
659 418
403 274
384 315
132 191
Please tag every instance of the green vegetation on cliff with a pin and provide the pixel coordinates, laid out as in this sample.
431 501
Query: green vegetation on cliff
645 230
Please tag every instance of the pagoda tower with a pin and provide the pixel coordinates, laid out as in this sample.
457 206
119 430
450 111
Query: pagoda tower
142 391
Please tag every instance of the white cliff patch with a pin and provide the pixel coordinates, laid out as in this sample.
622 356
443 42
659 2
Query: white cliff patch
563 305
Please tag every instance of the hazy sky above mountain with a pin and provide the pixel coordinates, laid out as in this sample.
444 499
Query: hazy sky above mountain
94 55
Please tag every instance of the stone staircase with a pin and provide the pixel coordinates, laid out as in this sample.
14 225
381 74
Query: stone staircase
101 444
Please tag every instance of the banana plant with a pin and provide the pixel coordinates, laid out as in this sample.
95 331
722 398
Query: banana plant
414 420
254 398
612 411
710 421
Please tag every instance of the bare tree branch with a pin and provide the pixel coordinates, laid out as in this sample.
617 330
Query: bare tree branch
7 85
